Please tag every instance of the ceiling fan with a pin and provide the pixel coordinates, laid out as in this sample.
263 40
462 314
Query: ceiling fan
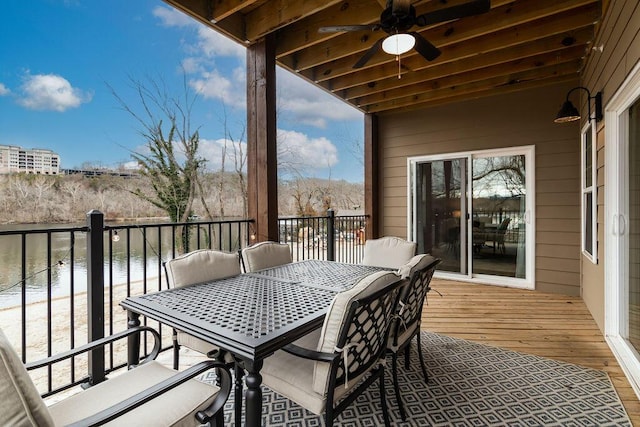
399 17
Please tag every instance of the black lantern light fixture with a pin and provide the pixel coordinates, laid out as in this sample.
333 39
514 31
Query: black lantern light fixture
569 113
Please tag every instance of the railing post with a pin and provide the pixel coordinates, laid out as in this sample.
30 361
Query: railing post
331 235
95 292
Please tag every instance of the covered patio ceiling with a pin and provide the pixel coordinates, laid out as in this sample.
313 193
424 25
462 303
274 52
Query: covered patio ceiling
517 45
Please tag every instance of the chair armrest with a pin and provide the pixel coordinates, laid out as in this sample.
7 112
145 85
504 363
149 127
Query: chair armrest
310 354
99 343
141 398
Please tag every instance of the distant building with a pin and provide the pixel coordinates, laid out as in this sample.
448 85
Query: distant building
90 173
35 160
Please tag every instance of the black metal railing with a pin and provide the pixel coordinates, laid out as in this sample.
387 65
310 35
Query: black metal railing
330 237
60 287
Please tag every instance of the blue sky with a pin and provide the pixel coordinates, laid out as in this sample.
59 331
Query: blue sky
59 57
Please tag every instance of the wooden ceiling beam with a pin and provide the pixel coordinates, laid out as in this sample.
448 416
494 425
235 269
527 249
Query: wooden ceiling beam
276 14
232 27
564 26
339 54
538 75
537 62
304 33
222 9
516 87
550 46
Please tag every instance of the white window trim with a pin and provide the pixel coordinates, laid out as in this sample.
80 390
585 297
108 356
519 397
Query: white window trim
592 252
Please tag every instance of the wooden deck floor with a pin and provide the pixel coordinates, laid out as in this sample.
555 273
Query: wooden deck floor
547 325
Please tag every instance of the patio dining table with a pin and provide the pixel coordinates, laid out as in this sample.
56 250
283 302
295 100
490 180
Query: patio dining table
251 315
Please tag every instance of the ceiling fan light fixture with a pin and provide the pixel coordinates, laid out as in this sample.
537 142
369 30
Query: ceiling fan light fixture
397 44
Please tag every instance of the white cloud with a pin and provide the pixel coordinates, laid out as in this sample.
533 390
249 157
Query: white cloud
213 44
4 90
172 17
212 151
297 151
310 105
209 43
51 92
213 85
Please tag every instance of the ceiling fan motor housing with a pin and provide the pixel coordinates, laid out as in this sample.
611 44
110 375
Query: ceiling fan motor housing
397 22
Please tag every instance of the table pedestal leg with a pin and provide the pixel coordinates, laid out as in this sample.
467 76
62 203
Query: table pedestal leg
133 341
253 395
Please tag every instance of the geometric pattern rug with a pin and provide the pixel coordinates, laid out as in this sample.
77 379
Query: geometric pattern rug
471 384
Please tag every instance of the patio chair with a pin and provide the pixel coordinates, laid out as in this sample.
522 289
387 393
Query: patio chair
497 236
391 252
326 371
417 274
265 255
149 394
198 267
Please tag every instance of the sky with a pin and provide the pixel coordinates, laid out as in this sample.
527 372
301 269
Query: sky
62 60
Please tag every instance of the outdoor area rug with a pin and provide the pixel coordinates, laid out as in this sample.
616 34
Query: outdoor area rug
472 384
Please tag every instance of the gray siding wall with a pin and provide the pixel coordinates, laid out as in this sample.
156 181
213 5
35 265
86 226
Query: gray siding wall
515 119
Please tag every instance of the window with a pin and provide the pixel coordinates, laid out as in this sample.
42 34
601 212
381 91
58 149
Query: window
589 198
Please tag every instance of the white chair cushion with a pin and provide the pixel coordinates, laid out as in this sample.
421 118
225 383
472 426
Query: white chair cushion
335 318
20 402
264 255
403 337
292 376
390 252
199 345
416 263
174 408
201 266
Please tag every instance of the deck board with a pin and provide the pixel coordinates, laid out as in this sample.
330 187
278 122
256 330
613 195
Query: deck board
554 326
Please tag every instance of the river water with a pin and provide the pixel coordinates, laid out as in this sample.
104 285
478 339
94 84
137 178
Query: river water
68 260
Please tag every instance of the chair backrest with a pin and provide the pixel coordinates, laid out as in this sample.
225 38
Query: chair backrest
391 252
417 274
356 324
201 266
20 403
504 224
264 255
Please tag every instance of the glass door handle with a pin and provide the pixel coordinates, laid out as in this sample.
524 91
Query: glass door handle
619 225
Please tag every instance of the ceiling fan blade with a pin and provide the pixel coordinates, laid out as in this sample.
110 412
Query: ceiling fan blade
341 28
368 54
472 8
425 48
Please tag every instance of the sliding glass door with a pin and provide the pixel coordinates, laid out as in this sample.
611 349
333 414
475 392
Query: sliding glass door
441 206
473 212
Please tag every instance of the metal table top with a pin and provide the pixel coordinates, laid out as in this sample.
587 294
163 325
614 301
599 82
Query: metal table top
329 275
252 315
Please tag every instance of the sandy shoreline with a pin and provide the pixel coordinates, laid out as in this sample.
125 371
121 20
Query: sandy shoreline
62 335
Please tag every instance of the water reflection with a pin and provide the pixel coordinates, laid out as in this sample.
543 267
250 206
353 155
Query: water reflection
147 249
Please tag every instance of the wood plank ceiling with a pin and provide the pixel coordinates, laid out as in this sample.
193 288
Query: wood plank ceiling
518 44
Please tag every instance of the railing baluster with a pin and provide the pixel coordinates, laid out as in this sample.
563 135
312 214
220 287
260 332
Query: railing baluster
49 312
95 292
23 278
110 296
72 308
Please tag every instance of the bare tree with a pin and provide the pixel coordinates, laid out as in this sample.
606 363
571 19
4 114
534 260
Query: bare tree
172 164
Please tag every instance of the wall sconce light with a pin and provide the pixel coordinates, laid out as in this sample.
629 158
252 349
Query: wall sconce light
569 113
